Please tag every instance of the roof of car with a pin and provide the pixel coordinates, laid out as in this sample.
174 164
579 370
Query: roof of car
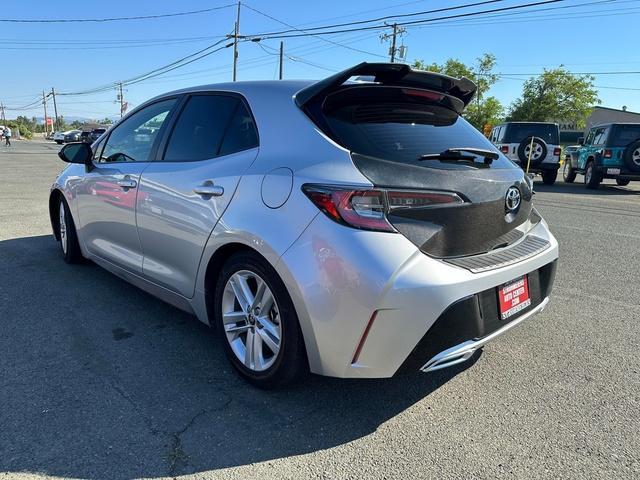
615 123
247 86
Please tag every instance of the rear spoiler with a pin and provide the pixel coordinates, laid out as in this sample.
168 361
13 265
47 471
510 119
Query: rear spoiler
390 74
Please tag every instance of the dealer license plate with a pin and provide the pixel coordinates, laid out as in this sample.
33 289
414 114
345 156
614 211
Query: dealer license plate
513 297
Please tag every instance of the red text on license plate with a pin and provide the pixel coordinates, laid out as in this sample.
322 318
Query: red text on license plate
513 297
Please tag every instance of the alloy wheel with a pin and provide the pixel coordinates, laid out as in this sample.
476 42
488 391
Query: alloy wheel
63 228
251 320
537 151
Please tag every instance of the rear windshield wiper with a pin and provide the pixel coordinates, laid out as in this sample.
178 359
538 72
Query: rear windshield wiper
457 155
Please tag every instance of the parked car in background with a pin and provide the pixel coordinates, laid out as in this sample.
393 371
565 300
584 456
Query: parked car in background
609 151
95 133
91 135
386 235
532 145
66 137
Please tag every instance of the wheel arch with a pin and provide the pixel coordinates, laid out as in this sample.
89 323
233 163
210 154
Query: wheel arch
212 272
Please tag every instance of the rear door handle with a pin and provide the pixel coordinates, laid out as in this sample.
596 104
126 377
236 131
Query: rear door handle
127 183
209 189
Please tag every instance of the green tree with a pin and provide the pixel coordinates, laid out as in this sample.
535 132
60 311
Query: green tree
483 110
61 125
106 121
556 95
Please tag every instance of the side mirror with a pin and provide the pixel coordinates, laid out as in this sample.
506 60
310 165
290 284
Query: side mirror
77 152
580 140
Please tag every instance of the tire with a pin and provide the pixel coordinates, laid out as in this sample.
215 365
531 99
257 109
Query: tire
622 183
549 176
278 329
631 156
59 142
568 172
539 151
67 234
591 178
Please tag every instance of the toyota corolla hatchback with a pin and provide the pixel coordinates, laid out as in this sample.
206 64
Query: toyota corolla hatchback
347 228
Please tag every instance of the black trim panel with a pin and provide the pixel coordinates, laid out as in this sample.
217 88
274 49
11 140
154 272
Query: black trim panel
473 317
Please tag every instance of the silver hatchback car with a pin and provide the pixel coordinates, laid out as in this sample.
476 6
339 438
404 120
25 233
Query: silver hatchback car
345 227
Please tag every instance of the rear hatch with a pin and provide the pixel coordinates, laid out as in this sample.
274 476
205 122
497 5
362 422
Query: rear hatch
452 203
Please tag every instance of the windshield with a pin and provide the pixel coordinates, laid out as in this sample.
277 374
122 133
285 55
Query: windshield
403 130
623 135
516 132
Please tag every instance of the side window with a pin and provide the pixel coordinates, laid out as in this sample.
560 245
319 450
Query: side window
199 130
599 137
589 140
500 135
132 140
241 133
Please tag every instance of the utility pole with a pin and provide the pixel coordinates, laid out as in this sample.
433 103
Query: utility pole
281 58
397 31
4 119
46 125
393 42
55 108
121 98
236 33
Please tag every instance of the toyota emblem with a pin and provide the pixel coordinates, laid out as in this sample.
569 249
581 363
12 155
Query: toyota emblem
512 199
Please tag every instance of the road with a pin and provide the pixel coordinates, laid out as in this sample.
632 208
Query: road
100 380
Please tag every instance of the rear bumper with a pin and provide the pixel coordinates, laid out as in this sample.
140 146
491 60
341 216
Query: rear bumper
463 351
625 173
368 300
543 167
472 322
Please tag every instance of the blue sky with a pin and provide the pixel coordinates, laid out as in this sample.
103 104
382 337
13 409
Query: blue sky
599 36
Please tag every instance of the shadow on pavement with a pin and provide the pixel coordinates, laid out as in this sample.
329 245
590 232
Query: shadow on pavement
100 380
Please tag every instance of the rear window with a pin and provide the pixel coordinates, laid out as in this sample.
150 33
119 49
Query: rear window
399 127
516 132
623 135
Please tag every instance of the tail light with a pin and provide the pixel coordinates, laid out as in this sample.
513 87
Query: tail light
367 209
556 151
504 149
607 153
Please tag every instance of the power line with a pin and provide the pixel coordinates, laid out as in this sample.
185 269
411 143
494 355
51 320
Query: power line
386 17
321 38
286 33
530 18
571 73
153 73
113 19
295 58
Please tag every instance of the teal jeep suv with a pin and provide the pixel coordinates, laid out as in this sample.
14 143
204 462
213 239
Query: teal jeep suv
609 151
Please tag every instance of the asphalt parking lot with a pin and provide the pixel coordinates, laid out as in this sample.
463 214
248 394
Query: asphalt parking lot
100 380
